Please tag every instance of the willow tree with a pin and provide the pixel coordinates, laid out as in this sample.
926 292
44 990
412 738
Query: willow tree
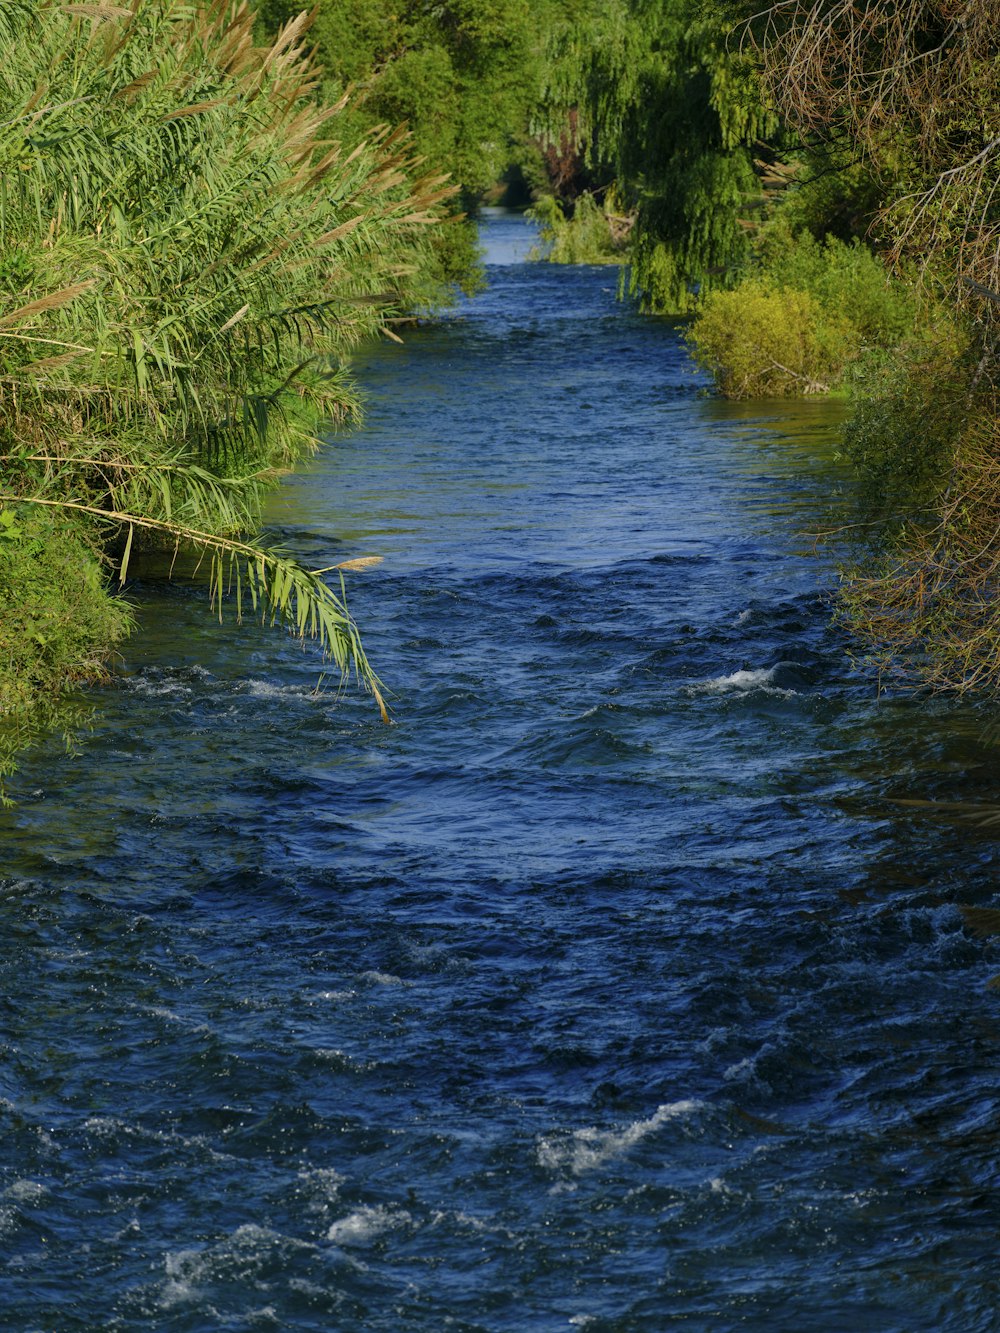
462 74
914 85
188 252
673 115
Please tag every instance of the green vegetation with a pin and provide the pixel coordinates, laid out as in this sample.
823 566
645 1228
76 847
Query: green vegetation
914 88
767 341
666 112
188 251
582 233
807 320
57 626
465 76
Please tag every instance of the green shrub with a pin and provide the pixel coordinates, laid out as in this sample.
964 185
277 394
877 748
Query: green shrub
843 277
901 437
582 237
762 341
58 624
922 593
812 313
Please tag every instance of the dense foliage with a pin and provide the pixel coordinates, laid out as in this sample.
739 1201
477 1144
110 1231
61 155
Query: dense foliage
466 77
187 253
669 113
810 316
915 88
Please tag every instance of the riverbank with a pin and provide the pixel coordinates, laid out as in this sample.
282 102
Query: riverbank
166 349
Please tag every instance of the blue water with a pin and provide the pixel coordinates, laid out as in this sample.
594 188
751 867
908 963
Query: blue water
612 987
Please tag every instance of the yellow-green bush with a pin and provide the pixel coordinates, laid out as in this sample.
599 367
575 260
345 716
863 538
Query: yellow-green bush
844 277
763 341
812 312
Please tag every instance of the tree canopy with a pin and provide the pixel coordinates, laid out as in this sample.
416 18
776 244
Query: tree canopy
673 112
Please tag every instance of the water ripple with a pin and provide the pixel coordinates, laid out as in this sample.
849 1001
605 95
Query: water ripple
614 985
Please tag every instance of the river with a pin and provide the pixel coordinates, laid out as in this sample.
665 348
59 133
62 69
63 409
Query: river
614 986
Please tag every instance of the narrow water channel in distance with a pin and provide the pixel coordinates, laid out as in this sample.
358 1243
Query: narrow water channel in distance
612 987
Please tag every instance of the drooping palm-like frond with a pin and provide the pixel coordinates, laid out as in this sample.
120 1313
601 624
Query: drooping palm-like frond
274 587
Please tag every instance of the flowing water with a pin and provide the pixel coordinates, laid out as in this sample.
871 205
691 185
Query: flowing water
614 986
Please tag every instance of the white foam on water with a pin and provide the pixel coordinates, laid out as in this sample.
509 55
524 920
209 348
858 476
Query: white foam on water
185 1270
308 1288
714 1041
743 682
105 1125
364 1225
587 1149
336 995
108 1127
479 1225
325 1177
864 1198
266 1316
322 1184
383 979
158 1011
170 682
169 1016
474 1223
745 1068
188 1271
266 689
158 689
25 1191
